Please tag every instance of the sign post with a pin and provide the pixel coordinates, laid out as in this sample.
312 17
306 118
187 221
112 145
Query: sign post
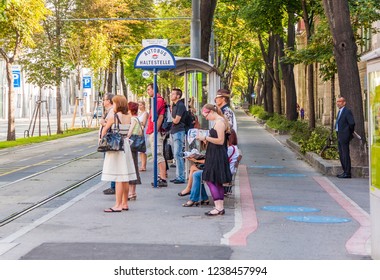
155 58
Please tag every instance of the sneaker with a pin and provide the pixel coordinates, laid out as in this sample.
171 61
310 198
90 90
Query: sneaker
109 191
172 165
160 183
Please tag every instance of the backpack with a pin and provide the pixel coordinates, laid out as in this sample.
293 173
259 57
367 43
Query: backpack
187 120
167 121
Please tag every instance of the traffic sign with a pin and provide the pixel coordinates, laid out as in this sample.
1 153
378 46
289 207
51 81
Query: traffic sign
150 42
87 82
155 57
16 78
146 74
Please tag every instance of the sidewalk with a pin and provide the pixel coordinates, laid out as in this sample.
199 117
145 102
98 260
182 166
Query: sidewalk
282 209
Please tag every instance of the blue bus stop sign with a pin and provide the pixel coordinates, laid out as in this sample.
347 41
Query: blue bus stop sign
155 57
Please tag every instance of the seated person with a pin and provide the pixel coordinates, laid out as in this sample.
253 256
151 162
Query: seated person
194 167
197 189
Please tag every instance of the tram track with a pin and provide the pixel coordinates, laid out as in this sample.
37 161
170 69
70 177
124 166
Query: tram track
17 215
23 195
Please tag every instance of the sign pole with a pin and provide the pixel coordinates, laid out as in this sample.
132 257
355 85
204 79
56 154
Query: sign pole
155 165
155 58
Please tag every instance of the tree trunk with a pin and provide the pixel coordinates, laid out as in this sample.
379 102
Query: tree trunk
259 86
310 95
11 134
58 70
288 76
345 52
122 77
277 98
110 78
332 109
207 15
308 21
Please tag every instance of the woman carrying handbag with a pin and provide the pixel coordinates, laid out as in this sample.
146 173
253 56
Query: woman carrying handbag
135 134
118 165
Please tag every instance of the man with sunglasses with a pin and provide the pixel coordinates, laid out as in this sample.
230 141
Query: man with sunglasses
222 100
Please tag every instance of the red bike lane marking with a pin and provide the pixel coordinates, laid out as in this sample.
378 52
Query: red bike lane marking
356 245
248 220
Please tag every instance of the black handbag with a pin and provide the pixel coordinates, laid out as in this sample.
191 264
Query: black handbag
167 149
113 140
138 144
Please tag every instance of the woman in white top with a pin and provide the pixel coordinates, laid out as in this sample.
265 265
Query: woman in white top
143 118
118 165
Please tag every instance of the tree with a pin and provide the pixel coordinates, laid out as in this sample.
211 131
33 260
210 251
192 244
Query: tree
345 52
207 16
17 31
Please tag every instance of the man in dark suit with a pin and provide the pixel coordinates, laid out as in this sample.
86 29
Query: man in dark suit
344 126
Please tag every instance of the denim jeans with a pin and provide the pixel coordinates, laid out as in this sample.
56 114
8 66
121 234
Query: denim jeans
197 187
178 144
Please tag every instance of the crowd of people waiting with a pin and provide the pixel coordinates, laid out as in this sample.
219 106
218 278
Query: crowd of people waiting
215 169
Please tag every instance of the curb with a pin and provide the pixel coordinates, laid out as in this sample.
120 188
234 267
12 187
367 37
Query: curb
326 167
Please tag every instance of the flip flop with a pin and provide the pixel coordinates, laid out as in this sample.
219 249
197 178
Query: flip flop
125 209
111 210
142 170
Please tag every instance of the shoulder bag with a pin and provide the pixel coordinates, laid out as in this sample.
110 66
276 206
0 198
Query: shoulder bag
138 144
112 140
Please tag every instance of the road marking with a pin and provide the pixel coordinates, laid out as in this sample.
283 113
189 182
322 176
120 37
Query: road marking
357 244
290 208
8 242
318 219
24 167
245 212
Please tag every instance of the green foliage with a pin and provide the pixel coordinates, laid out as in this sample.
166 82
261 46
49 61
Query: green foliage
319 143
39 139
279 122
259 112
300 131
309 140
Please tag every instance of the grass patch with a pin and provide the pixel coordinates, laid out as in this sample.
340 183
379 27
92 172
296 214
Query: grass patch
39 139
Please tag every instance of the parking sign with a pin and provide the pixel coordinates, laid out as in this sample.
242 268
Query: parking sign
87 82
16 78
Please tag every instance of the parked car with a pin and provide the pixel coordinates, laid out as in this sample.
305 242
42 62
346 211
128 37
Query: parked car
98 112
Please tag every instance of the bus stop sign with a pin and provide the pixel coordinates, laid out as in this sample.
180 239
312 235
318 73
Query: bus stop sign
155 57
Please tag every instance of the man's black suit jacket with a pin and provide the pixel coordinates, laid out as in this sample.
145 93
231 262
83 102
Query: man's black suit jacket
346 126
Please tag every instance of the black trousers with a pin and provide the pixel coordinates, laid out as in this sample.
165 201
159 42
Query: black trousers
344 156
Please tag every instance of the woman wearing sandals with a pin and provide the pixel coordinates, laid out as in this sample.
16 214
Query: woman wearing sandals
216 169
118 165
135 128
143 118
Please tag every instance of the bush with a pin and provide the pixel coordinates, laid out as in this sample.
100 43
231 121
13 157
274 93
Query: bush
279 122
319 142
316 140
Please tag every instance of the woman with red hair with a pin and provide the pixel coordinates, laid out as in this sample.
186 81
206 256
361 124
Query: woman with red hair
135 128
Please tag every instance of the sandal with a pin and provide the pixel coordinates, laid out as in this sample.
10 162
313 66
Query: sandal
190 203
132 197
142 169
111 210
218 212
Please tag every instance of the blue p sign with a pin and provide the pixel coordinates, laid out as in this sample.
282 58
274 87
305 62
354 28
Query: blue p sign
86 82
16 78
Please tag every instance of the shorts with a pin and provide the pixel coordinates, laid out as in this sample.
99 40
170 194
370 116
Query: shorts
160 146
